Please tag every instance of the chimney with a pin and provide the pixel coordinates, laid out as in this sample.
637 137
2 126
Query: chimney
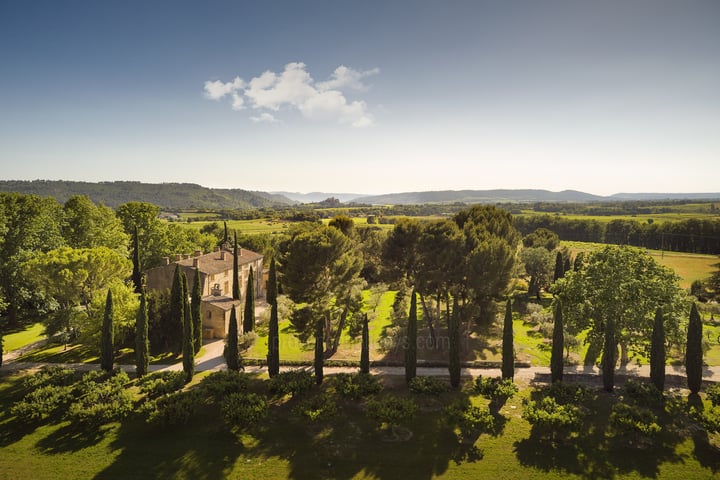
178 257
197 253
196 262
239 252
166 260
222 254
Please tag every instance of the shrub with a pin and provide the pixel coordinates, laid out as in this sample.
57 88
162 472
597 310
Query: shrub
427 385
633 420
44 402
711 419
566 393
318 407
470 419
293 382
161 383
551 419
495 388
222 383
173 409
713 394
356 385
643 393
52 375
391 410
244 409
247 340
102 398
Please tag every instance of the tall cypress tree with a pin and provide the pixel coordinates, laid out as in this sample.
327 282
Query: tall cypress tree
657 352
566 266
232 351
225 234
508 349
411 346
142 345
273 357
236 273
558 346
188 338
454 350
195 311
174 331
107 347
559 267
249 314
365 347
609 356
137 272
319 330
693 351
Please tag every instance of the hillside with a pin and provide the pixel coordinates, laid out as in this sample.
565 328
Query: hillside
171 196
478 196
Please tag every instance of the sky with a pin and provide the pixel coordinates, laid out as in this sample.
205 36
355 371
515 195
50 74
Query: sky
372 96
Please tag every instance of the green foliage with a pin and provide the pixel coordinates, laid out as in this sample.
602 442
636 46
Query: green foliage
243 410
538 263
657 352
470 419
247 340
365 347
142 345
101 399
316 408
188 336
107 347
175 409
273 356
44 402
454 350
356 385
391 409
541 237
568 393
293 382
231 351
249 312
608 358
220 384
642 393
633 420
550 418
558 345
411 341
495 387
161 383
427 385
173 330
195 304
693 351
508 351
50 375
137 276
713 393
559 267
710 419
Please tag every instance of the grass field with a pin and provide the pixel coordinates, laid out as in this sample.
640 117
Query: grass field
31 334
349 445
642 218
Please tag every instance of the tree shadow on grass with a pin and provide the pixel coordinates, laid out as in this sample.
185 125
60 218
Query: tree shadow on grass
72 438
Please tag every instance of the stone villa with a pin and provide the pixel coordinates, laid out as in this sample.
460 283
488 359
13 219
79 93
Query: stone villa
216 269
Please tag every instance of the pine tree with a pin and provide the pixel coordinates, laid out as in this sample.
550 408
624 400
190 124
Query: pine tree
508 349
107 347
693 351
365 347
232 351
177 314
249 314
657 352
319 330
558 346
411 346
137 272
559 267
188 338
273 357
609 356
195 311
454 350
142 346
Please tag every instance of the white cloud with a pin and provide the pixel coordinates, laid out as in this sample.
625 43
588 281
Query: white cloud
264 118
215 90
295 88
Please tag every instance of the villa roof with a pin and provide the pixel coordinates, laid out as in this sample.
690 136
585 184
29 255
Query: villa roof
223 302
219 261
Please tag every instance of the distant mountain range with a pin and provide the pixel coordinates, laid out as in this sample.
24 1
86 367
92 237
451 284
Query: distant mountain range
185 196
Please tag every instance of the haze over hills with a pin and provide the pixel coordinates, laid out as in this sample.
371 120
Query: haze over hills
186 196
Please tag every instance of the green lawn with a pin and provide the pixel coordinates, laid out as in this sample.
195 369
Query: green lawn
33 333
348 445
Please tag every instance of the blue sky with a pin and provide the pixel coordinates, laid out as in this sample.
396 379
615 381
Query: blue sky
366 97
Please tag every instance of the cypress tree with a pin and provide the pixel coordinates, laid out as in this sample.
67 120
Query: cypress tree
365 348
411 346
249 314
319 330
273 357
558 346
142 346
608 358
559 267
225 234
107 347
454 350
136 275
566 266
177 313
236 273
195 311
232 352
188 338
693 351
579 259
657 352
508 349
